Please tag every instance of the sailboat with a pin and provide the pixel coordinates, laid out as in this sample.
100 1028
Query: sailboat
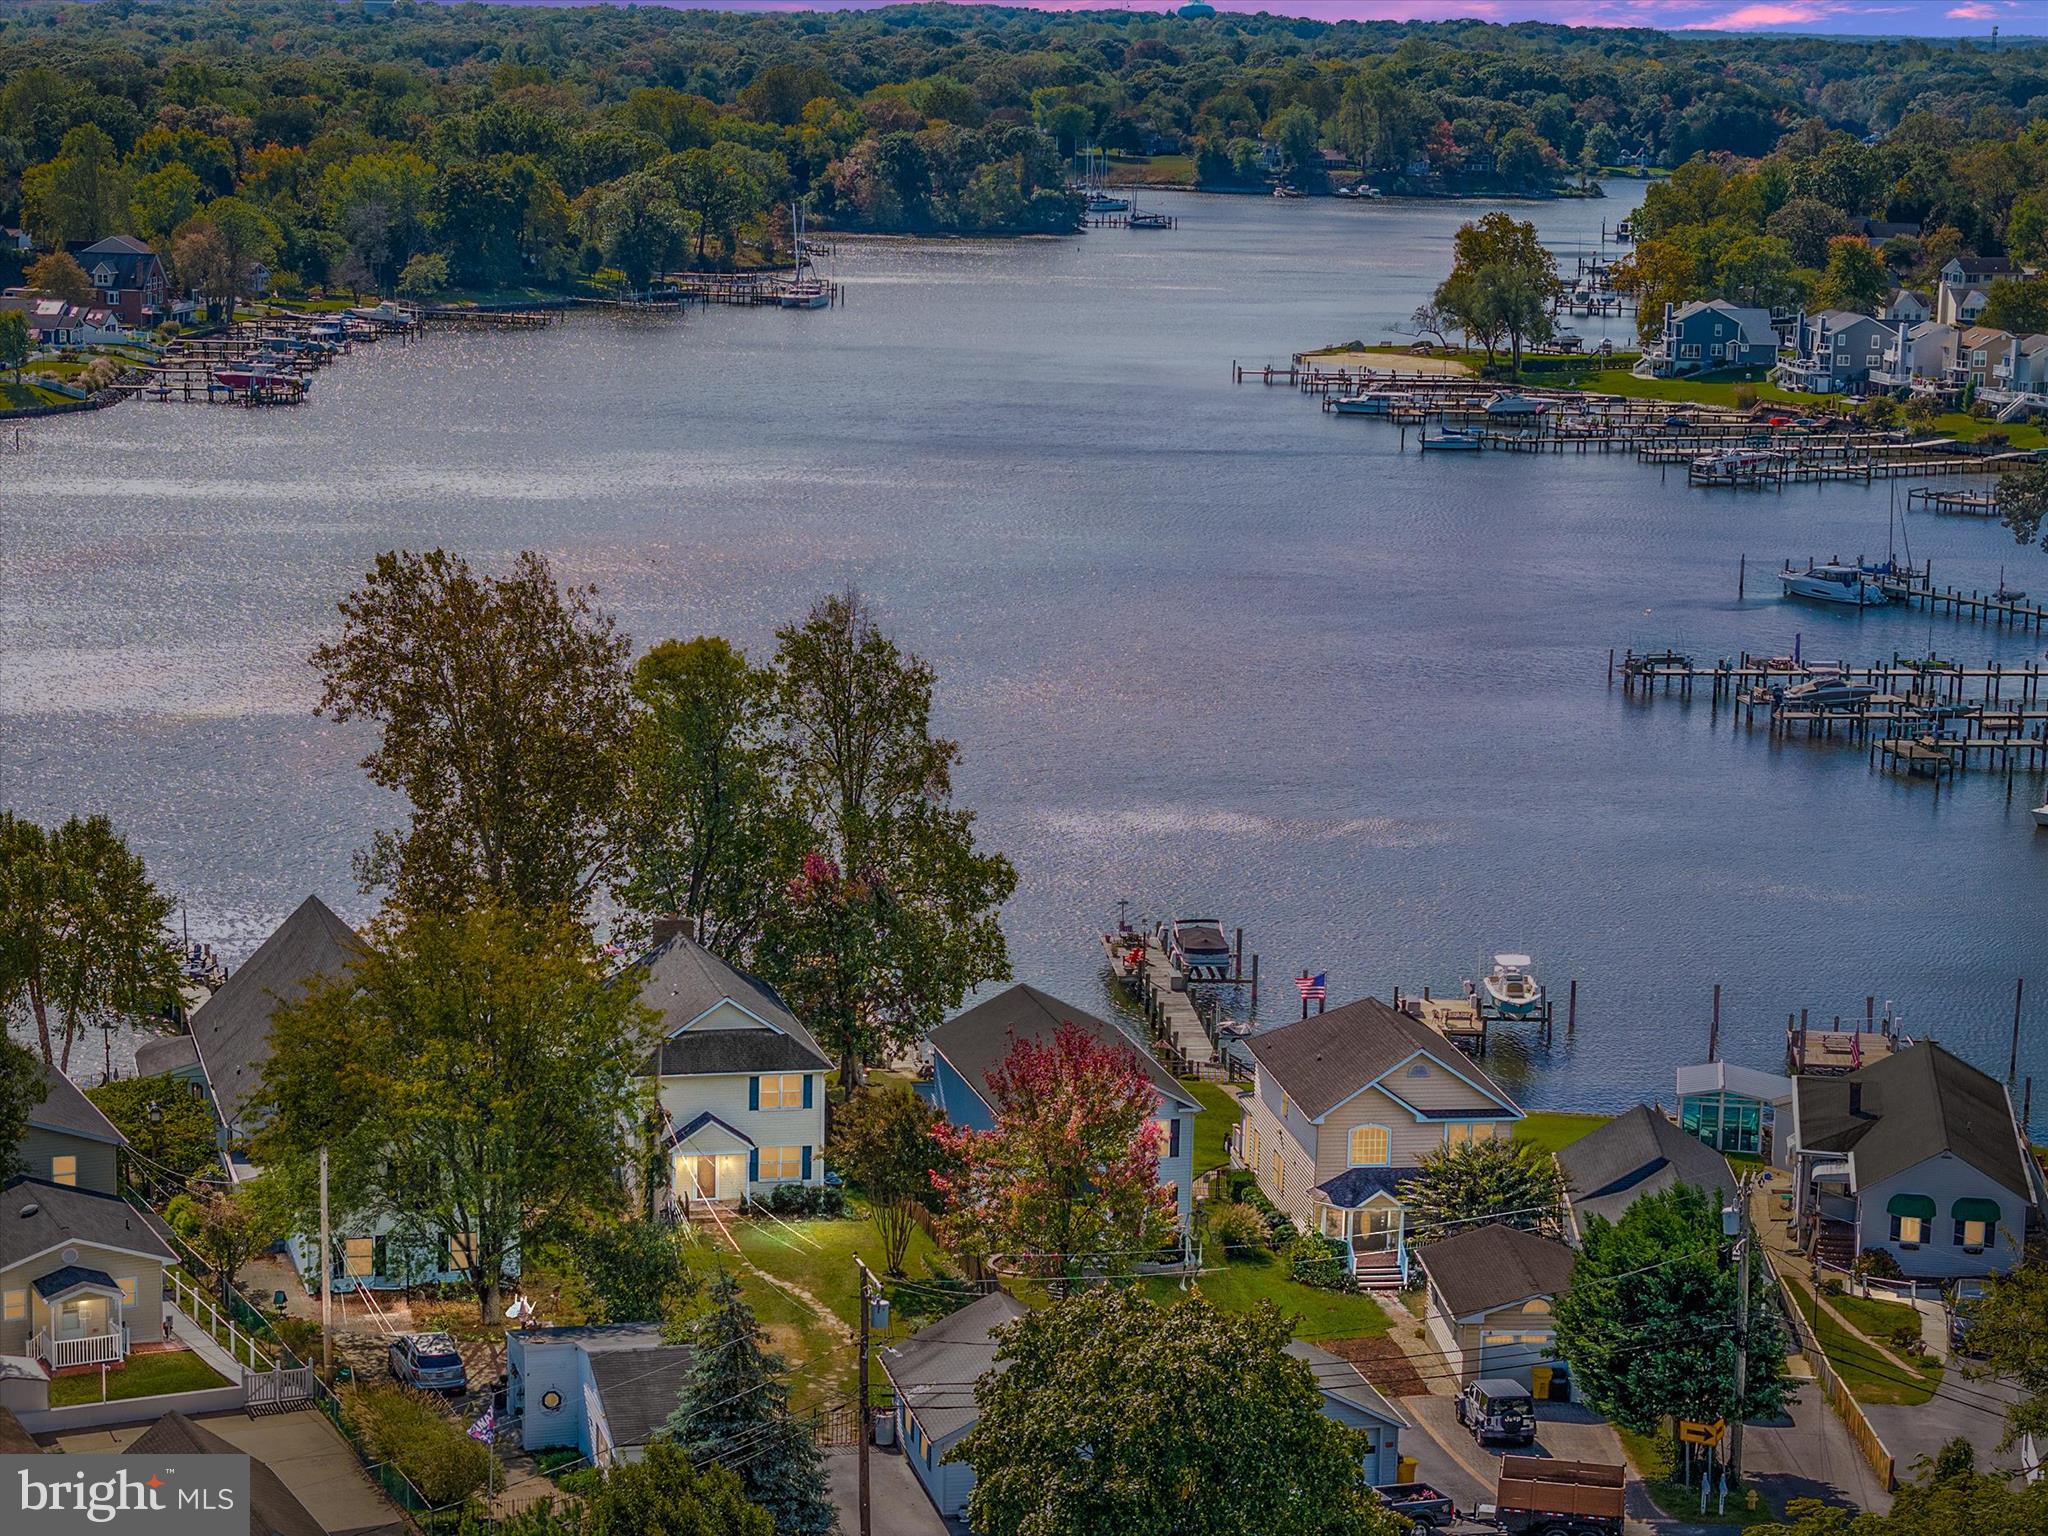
2006 594
802 292
1094 185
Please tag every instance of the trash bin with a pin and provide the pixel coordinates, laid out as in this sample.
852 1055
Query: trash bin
885 1427
1539 1383
1405 1468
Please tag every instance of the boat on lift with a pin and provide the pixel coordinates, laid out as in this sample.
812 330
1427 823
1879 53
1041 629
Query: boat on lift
1451 441
1374 402
1512 989
1197 947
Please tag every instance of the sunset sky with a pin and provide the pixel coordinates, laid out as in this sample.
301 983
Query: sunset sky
1923 18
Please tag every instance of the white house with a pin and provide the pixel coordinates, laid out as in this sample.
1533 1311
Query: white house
602 1389
1965 284
1918 356
740 1081
1910 305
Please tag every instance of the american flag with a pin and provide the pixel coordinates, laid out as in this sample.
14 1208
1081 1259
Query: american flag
1313 988
486 1426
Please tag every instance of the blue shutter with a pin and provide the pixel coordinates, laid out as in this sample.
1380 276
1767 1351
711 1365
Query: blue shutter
807 1105
753 1093
753 1165
807 1150
1173 1137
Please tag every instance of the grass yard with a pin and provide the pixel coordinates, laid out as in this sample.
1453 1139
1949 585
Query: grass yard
1876 1318
1221 1110
171 1370
1553 1132
1244 1283
26 396
1153 171
1651 1457
1869 1376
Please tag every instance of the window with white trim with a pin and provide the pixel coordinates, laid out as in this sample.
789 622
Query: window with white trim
1371 1146
782 1090
14 1306
782 1163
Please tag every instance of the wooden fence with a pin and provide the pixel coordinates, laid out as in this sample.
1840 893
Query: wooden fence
1839 1397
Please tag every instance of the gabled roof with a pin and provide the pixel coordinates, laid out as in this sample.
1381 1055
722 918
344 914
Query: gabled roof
154 1058
1636 1154
117 245
274 1510
683 981
231 1030
1755 324
1897 1113
68 1112
1324 1059
1495 1266
39 1217
977 1042
935 1369
684 1132
639 1388
73 1277
1340 1379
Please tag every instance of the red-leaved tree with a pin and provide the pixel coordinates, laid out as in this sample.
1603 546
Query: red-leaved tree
1067 1183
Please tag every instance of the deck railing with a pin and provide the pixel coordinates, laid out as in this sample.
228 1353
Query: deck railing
92 1349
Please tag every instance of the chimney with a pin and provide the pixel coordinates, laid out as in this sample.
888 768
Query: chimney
673 927
1855 1099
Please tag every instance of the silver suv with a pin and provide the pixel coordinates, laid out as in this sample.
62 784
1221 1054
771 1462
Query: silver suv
429 1361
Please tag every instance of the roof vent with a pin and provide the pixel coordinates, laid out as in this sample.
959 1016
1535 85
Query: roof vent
29 1210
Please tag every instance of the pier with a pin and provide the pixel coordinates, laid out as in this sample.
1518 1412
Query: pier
1140 962
1954 503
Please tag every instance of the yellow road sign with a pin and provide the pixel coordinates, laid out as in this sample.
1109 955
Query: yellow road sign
1701 1434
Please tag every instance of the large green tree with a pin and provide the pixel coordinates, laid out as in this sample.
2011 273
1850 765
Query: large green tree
502 712
1113 1413
1504 1180
2023 501
1854 279
471 1077
171 1132
1947 1497
882 1143
1501 283
2008 1330
14 341
21 1089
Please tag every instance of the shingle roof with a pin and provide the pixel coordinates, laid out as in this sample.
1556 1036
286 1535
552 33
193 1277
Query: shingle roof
639 1388
14 1440
69 1112
1354 1186
1911 1107
274 1510
1494 1266
682 981
685 1132
1636 1154
1324 1059
69 1278
36 1217
153 1058
231 1030
1339 1378
977 1042
935 1368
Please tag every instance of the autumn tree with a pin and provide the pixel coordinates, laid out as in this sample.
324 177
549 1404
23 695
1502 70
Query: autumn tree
502 713
472 1077
59 275
882 1143
1111 1412
219 251
1513 1182
1066 1183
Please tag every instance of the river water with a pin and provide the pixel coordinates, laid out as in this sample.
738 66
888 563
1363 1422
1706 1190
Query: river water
1205 647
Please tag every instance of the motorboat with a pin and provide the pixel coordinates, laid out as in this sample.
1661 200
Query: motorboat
1516 405
1449 441
1196 946
1511 989
1845 585
254 375
2041 815
1374 402
1827 692
1283 190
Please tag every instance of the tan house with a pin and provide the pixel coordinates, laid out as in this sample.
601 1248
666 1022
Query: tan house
81 1270
1492 1294
1345 1105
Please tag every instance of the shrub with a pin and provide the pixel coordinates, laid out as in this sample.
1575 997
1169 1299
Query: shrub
1237 1228
631 1271
1745 397
1922 409
1905 1339
807 1200
1315 1260
1878 1263
943 1294
413 1435
1280 1228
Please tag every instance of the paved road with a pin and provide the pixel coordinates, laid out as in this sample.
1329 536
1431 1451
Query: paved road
1961 1409
1809 1455
896 1500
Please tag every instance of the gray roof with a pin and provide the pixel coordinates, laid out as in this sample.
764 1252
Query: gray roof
639 1388
274 1510
977 1042
935 1369
68 1112
36 1217
1636 1154
1324 1059
153 1058
682 980
1339 1378
231 1030
1897 1113
1495 1266
58 1281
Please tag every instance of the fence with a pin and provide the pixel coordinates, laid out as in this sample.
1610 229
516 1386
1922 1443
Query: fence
1838 1395
278 1391
200 1308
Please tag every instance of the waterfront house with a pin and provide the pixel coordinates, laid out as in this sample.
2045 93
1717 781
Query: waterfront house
1909 305
1918 356
1635 1154
1833 353
81 1270
934 1372
1709 334
739 1080
1344 1106
1492 1292
603 1390
128 277
51 322
2018 378
1980 349
1965 284
968 1048
1353 1401
1918 1156
1735 1109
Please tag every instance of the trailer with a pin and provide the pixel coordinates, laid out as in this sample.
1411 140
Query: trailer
1538 1496
1421 1504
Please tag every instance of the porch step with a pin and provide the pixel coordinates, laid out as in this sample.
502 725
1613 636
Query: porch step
1835 1244
1377 1272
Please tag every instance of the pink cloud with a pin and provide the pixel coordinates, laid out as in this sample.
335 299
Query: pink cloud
1745 17
1972 13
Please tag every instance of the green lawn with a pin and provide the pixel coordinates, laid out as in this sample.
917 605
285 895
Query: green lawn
1876 1318
1221 1110
1244 1283
1553 1132
1153 171
1868 1374
26 396
1651 1457
174 1370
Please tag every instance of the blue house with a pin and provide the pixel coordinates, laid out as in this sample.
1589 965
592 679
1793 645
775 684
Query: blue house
966 1049
1709 334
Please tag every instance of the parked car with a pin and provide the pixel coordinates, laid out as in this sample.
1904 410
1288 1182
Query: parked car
1959 1303
430 1362
1498 1411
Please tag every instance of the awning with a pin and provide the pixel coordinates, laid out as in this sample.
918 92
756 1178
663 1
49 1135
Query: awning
1921 1206
60 1283
1972 1208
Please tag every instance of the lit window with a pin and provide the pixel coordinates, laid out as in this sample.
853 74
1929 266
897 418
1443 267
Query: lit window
1971 1234
1910 1230
461 1251
359 1257
128 1290
1369 1146
1536 1304
1533 1338
782 1163
783 1091
14 1306
64 1170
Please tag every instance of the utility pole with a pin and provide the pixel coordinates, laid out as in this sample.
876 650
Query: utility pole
326 1282
866 1280
1744 1242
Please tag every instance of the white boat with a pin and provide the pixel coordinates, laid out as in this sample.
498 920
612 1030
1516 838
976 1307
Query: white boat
1448 441
2041 815
1846 585
1374 402
1515 405
1514 993
1197 946
805 289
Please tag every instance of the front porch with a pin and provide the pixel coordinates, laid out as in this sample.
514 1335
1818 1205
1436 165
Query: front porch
78 1319
1372 1226
708 1163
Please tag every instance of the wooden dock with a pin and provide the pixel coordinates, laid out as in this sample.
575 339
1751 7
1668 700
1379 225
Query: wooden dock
1837 1052
1459 1020
1954 503
1140 962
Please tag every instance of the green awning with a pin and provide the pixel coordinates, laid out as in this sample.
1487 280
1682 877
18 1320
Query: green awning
1973 1209
1911 1205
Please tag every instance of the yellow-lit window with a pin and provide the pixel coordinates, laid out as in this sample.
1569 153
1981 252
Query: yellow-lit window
782 1163
359 1257
1279 1175
783 1091
1534 1338
1369 1147
1971 1234
128 1291
1460 1133
64 1170
1911 1229
14 1306
1536 1304
1286 1105
461 1250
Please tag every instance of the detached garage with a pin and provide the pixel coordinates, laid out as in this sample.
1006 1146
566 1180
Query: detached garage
1492 1292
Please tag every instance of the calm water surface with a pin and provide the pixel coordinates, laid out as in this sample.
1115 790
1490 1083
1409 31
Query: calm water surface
1206 647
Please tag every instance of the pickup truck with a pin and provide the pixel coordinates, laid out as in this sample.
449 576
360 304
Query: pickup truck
1538 1496
1418 1502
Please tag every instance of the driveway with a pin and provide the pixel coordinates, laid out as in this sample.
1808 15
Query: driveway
1961 1409
1808 1455
896 1501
